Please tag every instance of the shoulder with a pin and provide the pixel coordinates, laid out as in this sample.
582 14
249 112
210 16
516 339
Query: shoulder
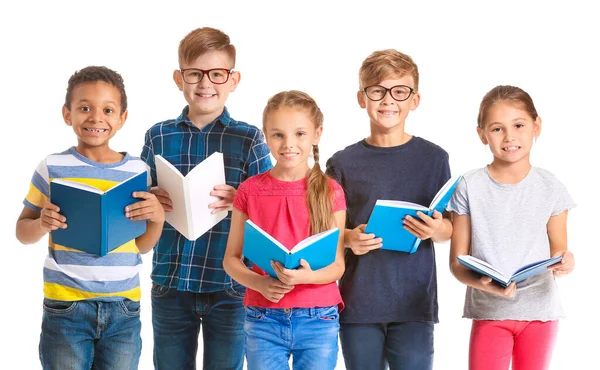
253 183
348 152
547 178
430 148
162 128
133 164
243 128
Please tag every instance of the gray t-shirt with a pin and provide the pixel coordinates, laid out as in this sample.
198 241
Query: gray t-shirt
508 231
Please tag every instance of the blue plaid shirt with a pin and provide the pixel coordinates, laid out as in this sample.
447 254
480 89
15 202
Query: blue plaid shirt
197 266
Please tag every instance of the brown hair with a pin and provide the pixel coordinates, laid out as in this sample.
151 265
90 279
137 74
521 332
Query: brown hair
383 64
319 194
202 40
95 74
507 93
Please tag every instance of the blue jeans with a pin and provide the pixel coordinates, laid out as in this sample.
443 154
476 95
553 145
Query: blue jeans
90 334
177 317
310 335
401 345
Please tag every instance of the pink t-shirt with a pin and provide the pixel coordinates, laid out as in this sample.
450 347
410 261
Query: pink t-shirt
280 208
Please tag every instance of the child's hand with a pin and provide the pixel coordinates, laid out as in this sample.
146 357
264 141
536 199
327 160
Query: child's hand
301 275
163 198
490 286
50 219
426 227
362 243
148 209
273 289
225 193
565 266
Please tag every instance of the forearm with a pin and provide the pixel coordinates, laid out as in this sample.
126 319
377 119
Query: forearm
29 230
239 272
328 274
444 233
466 276
148 240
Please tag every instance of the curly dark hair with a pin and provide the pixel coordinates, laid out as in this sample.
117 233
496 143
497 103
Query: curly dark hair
93 74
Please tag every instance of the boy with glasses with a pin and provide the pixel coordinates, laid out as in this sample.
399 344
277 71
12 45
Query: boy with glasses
391 297
190 289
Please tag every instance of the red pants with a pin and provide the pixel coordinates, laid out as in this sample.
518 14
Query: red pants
528 343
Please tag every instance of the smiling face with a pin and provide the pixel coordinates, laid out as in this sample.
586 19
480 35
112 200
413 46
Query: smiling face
509 130
95 114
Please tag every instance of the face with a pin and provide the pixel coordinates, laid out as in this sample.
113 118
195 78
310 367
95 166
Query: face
206 98
509 131
290 135
95 113
388 113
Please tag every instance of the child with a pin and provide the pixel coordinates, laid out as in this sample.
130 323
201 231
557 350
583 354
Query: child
390 297
298 312
510 214
190 288
92 304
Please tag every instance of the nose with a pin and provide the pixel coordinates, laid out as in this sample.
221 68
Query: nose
387 97
288 142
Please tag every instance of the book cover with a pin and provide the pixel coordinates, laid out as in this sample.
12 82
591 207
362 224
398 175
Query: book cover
96 221
521 274
260 248
190 194
387 215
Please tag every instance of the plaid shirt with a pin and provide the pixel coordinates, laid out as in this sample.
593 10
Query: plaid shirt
197 266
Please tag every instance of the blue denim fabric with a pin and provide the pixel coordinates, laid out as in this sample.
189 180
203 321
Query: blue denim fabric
177 318
310 335
90 334
402 346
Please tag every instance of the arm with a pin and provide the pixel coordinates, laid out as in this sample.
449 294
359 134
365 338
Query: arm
149 209
33 225
438 227
557 235
305 275
359 242
460 244
270 288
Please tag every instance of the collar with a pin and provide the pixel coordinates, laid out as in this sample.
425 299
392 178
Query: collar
224 118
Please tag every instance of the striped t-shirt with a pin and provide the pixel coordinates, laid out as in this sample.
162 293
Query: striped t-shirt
72 275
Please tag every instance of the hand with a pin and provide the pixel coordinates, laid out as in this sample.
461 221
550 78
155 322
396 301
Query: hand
426 227
301 275
362 243
50 219
163 198
488 285
273 289
225 193
565 266
148 209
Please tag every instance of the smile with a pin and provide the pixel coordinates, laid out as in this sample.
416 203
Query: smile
95 129
511 148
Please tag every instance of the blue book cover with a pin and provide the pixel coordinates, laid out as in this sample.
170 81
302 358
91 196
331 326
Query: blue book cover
521 274
387 215
96 221
260 248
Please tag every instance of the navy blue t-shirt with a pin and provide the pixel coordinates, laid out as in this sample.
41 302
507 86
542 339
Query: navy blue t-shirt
384 286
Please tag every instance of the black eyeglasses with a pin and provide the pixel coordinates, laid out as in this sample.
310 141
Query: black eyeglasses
398 92
216 75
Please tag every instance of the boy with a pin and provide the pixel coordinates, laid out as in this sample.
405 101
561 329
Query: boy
391 297
190 287
91 304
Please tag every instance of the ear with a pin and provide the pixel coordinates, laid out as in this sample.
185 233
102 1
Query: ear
122 119
360 96
318 133
178 78
481 135
414 103
66 113
235 79
537 127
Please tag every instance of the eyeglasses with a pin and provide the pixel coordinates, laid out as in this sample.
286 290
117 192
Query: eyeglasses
216 75
398 92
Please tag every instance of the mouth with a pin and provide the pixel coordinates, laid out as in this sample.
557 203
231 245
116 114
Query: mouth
510 148
95 130
288 155
387 112
205 95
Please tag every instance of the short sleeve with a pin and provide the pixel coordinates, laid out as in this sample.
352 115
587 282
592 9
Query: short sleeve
339 199
563 201
148 157
459 202
331 171
39 189
260 156
240 201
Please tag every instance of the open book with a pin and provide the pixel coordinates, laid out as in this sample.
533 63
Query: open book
191 194
96 221
387 215
260 248
521 274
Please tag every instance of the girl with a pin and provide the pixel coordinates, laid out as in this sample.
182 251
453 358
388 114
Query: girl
298 312
510 214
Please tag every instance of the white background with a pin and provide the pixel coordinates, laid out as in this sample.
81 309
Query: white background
462 50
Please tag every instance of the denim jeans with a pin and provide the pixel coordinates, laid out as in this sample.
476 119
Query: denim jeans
310 335
401 345
177 318
90 334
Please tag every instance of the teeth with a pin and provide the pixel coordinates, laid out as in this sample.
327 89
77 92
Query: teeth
510 148
290 154
95 129
387 113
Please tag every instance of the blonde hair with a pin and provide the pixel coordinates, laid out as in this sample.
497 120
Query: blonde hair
202 40
511 94
383 64
319 194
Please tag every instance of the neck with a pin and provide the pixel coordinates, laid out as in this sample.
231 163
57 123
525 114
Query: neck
509 173
383 137
290 174
202 119
102 154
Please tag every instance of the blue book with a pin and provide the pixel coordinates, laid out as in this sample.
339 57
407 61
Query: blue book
261 248
521 274
387 215
96 221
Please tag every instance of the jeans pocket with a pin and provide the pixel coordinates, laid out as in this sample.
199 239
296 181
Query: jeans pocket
236 290
158 291
131 308
59 307
254 313
328 313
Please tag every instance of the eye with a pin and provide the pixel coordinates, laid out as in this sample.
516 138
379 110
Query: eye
277 135
301 133
496 129
85 109
519 125
108 110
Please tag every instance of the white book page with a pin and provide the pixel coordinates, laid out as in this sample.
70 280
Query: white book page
311 239
268 236
170 179
78 185
440 194
401 204
483 266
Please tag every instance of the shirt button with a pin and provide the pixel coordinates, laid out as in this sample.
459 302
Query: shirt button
287 310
